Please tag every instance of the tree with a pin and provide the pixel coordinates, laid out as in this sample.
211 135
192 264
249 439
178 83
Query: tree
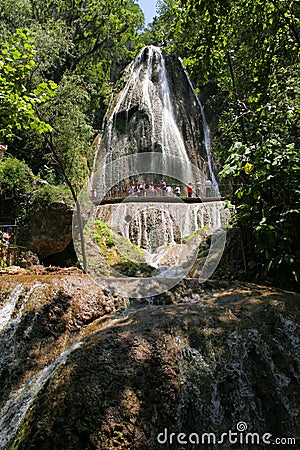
79 42
18 104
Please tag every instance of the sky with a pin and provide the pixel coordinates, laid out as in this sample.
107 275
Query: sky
149 9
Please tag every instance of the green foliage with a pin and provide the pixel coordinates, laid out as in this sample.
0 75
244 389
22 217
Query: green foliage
18 104
121 254
103 234
21 190
83 47
16 178
72 134
267 207
190 237
45 194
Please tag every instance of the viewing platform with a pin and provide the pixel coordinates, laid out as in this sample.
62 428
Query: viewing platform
156 199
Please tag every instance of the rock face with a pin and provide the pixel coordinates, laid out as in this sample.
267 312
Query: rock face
48 231
86 370
156 111
141 225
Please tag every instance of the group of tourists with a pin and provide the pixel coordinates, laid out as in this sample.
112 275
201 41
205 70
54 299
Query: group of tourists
163 189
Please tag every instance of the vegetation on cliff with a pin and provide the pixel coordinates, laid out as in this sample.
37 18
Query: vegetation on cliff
58 63
120 253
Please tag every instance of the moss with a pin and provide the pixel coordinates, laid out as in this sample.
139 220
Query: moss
120 253
133 269
186 239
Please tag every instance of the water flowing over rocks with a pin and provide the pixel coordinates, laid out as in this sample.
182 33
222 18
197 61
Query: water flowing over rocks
83 369
154 128
149 226
156 111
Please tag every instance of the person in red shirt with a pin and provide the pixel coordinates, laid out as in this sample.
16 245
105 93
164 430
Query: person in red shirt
190 190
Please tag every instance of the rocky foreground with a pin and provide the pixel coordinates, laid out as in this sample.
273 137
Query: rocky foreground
84 369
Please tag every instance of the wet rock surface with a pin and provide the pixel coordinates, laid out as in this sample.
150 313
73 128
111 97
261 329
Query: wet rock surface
196 359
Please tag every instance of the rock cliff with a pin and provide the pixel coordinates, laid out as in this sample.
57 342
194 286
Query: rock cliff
48 230
89 370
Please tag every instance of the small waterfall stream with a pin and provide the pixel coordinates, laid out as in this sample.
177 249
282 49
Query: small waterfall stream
19 402
10 318
207 138
8 308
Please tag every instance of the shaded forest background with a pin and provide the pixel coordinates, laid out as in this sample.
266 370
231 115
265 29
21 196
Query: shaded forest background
61 61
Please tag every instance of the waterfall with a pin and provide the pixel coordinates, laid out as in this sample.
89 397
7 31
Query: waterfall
172 138
18 403
10 318
207 143
153 129
206 131
142 117
152 225
7 310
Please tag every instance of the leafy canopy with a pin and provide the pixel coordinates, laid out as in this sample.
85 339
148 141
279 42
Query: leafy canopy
18 104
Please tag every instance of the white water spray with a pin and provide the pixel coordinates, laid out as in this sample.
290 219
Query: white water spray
206 131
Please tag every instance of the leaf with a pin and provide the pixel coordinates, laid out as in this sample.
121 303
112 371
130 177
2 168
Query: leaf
248 168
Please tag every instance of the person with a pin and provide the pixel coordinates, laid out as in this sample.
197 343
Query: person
169 190
151 190
5 241
6 236
190 190
142 188
198 188
208 188
177 191
132 190
163 186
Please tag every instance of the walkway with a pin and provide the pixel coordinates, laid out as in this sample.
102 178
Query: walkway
157 199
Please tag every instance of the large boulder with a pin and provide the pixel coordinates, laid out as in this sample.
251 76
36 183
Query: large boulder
48 230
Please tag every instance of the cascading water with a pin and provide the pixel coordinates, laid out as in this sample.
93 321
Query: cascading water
154 112
18 403
157 112
140 223
206 131
10 318
146 95
214 358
